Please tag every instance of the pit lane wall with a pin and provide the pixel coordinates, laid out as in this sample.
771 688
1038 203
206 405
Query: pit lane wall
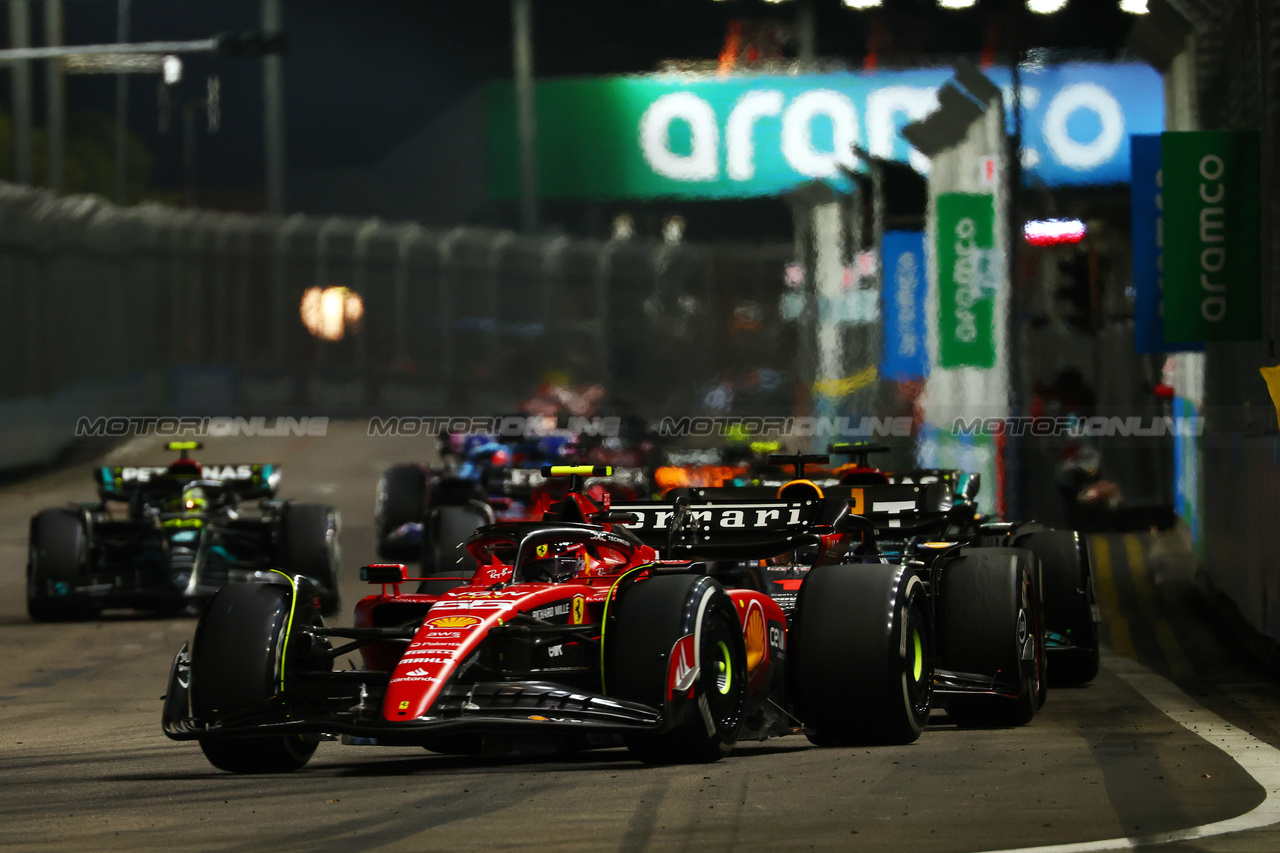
151 310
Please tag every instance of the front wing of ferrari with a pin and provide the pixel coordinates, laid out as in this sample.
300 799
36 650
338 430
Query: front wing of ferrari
508 706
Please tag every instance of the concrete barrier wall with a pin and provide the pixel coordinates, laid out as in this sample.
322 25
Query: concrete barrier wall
35 430
1241 514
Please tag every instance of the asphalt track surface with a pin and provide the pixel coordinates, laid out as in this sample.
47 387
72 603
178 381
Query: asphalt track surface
84 765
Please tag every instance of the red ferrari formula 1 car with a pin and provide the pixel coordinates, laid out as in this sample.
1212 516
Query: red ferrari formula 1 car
569 627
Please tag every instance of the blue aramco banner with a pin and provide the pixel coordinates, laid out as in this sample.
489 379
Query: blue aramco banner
1146 208
904 288
747 135
1144 211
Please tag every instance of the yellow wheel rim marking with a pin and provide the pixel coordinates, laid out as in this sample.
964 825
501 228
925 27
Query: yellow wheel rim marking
724 674
918 669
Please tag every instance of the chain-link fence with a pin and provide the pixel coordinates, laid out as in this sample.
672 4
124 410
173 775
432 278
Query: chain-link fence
95 293
155 309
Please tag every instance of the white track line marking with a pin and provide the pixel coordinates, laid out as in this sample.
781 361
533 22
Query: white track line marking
1260 760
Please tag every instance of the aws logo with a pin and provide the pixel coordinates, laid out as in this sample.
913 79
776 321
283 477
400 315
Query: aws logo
453 622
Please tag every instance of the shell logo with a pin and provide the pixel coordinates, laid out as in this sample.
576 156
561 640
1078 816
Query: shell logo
453 622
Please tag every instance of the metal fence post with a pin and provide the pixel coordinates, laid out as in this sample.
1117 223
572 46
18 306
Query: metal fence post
408 236
322 270
221 287
604 275
552 276
359 282
447 319
280 265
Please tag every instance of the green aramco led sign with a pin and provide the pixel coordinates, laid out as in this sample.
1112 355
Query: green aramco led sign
1212 241
695 136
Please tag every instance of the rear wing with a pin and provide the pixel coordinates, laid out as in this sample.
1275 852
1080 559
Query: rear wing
753 521
722 529
964 485
879 502
522 481
249 481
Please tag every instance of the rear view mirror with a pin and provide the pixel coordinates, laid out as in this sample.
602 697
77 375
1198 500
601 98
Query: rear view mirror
615 516
384 573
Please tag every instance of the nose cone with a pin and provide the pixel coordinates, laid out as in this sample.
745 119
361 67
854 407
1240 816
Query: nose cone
409 696
441 642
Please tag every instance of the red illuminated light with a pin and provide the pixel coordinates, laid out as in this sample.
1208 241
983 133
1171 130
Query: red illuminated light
1054 232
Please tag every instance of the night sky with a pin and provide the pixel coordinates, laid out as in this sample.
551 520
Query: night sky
364 75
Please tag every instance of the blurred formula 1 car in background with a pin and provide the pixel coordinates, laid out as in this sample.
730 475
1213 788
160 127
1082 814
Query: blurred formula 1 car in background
411 500
168 537
424 513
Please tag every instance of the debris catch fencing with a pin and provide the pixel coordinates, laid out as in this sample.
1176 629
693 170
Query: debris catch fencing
93 294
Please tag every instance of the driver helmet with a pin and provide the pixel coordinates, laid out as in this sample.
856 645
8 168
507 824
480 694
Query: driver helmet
554 563
193 501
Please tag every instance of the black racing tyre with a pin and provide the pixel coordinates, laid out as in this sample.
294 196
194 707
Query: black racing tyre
237 657
653 618
401 499
444 531
991 625
309 538
861 655
58 555
1069 604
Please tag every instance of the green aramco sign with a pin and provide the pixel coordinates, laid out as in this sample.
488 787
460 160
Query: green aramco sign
967 279
1212 245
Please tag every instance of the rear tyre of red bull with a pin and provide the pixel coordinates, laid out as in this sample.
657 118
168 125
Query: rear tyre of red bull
676 645
861 655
